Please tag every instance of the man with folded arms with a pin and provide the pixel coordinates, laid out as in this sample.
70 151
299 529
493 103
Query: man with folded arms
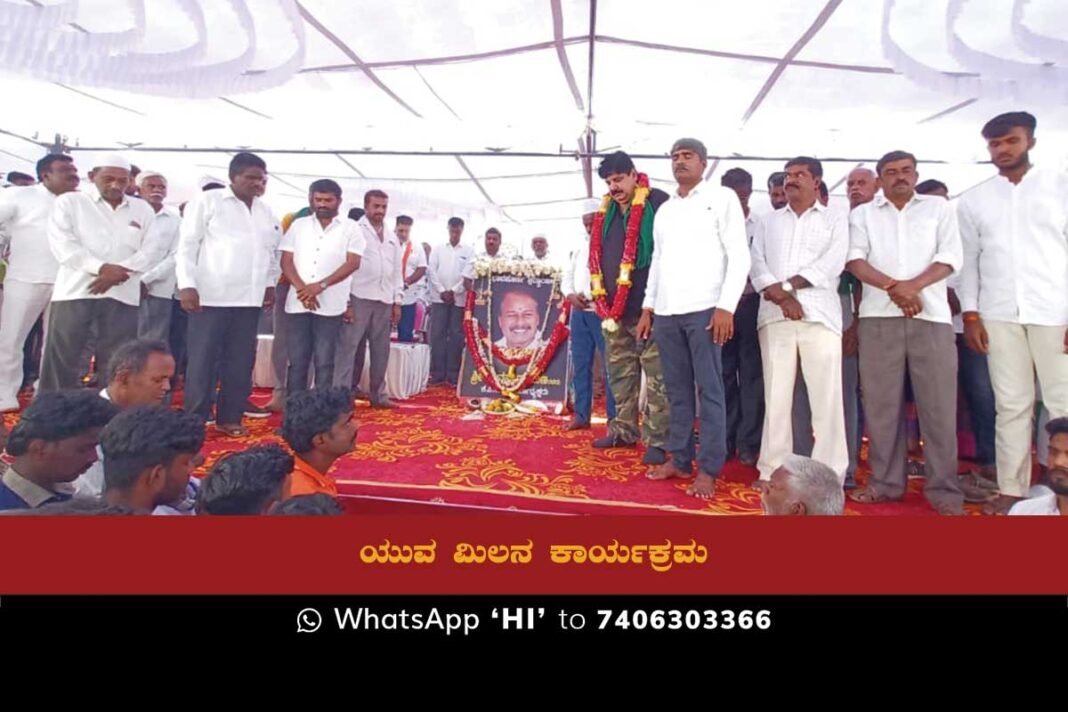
102 240
798 255
903 246
319 254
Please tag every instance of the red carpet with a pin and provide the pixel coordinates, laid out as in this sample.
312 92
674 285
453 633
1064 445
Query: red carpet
425 457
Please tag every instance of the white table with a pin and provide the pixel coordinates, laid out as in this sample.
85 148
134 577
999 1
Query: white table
406 373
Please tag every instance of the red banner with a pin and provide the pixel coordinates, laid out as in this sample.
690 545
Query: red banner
491 554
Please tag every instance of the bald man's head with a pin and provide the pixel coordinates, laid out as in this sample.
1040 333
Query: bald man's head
861 186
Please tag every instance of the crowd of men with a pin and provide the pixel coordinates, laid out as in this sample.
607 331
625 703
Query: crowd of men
791 334
729 317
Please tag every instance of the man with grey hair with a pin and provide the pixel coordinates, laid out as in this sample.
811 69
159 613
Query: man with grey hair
101 238
802 486
586 336
159 285
540 246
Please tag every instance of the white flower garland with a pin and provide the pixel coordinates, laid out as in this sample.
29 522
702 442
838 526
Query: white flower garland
517 267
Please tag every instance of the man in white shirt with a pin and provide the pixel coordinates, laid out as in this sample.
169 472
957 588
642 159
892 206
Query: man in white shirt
138 374
102 240
700 261
492 243
32 267
973 382
159 284
1053 499
377 290
413 265
861 185
586 336
319 254
492 251
903 246
798 255
448 265
539 244
777 190
743 376
227 266
1012 293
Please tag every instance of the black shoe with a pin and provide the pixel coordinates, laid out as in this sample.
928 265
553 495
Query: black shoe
610 441
654 456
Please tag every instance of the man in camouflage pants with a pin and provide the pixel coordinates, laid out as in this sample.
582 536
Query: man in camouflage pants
628 357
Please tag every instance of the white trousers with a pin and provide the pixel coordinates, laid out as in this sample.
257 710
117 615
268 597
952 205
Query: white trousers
1017 353
23 304
819 348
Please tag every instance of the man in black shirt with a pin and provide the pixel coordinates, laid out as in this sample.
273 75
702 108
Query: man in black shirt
627 356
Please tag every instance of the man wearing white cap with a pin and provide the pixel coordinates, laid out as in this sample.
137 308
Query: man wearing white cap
32 269
586 337
540 245
101 238
159 284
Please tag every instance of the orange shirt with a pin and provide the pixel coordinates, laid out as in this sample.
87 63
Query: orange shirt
305 479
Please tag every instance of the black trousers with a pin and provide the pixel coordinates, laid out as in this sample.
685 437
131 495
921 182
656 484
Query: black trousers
311 337
69 327
446 342
221 349
743 381
690 358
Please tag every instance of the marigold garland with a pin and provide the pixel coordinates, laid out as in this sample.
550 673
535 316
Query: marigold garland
479 346
611 315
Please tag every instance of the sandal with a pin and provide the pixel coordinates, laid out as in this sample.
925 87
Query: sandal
233 431
975 491
1000 505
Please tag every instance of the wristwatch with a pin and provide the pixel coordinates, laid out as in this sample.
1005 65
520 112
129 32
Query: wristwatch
788 287
323 285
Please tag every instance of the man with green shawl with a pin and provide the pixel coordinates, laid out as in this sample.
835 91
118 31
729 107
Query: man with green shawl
629 356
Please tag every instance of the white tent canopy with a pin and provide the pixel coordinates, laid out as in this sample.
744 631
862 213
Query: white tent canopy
489 110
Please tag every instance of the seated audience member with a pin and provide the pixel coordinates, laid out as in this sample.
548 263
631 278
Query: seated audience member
305 505
53 443
320 427
139 373
1054 500
149 454
245 483
803 486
